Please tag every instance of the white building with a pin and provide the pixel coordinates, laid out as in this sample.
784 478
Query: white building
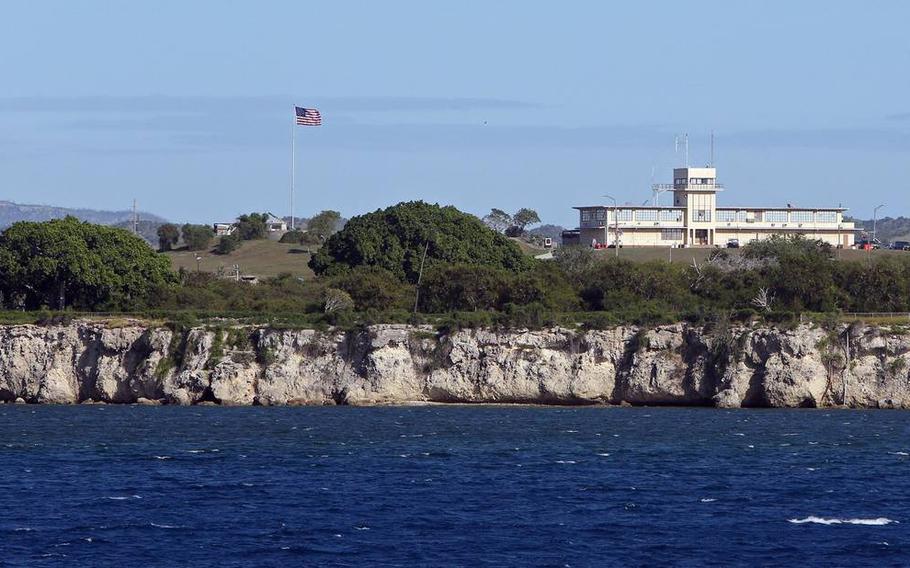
694 219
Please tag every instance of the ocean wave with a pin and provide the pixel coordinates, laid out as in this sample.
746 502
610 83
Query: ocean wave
157 526
880 521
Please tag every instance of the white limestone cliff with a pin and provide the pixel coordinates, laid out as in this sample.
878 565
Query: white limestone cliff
854 366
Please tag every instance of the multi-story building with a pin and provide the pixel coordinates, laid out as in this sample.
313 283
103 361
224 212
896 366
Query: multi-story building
695 219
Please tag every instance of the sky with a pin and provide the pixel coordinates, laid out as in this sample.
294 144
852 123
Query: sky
187 106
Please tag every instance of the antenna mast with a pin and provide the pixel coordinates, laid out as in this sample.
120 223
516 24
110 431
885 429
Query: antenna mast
712 148
135 219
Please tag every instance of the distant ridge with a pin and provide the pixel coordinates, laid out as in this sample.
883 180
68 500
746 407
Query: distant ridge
13 212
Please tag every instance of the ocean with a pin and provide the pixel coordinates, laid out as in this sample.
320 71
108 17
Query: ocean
452 486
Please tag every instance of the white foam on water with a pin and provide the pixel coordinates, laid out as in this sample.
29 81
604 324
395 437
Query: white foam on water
750 446
810 469
565 461
880 521
157 526
605 454
23 529
163 458
195 451
707 500
362 528
899 453
117 498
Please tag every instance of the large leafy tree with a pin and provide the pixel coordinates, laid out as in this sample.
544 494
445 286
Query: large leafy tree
324 224
68 263
197 237
395 239
253 226
168 235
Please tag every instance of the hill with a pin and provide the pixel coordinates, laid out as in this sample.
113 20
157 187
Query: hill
258 258
12 212
887 229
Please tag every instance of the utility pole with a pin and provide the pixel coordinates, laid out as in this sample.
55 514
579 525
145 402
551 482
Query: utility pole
875 221
615 223
135 219
420 275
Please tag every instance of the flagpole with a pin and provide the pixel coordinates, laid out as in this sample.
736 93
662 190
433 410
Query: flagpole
293 163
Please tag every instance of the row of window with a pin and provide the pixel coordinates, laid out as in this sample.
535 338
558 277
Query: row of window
644 215
693 181
741 216
671 234
704 216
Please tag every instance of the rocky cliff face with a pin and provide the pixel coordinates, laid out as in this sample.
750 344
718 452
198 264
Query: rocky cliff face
808 366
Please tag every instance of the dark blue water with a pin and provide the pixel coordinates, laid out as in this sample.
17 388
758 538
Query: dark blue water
468 486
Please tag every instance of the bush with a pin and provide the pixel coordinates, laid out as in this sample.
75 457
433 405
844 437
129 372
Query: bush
228 244
197 237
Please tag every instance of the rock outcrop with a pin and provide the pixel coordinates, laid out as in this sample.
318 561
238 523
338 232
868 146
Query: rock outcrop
86 361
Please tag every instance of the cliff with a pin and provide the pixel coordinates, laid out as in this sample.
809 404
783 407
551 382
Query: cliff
854 366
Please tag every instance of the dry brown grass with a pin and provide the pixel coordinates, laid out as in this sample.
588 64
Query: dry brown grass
260 258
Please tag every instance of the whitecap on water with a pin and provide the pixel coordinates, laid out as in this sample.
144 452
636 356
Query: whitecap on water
163 458
362 528
565 461
604 454
899 453
879 521
157 526
707 500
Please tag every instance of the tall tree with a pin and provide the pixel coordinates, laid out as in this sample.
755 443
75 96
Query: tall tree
498 220
324 225
395 239
168 235
197 237
253 226
67 263
524 217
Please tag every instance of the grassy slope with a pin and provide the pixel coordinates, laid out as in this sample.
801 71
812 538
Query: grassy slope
259 258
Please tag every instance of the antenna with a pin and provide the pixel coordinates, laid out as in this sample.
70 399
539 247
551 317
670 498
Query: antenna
712 148
135 219
687 149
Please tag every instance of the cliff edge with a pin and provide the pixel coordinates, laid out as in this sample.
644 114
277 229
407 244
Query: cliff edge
808 366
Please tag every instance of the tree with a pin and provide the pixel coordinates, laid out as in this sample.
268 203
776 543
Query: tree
253 226
324 225
337 300
197 237
372 287
524 217
168 235
498 220
68 263
395 239
228 244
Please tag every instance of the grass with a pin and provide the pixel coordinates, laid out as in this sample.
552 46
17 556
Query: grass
258 258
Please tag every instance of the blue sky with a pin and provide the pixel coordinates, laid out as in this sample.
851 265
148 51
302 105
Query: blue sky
187 106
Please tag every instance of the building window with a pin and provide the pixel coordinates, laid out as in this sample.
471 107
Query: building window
623 214
802 216
601 214
827 217
726 215
646 215
702 215
671 215
671 234
585 216
775 216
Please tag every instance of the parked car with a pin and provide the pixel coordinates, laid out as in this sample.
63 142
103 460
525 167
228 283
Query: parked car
900 245
733 244
866 244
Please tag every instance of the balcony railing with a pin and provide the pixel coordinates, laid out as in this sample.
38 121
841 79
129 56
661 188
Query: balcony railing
676 186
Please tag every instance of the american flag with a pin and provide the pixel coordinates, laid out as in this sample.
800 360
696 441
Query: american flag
308 116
